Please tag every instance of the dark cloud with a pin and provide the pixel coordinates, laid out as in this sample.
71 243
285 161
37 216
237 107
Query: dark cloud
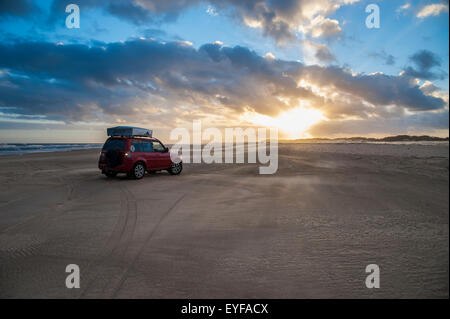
425 59
388 59
138 12
159 81
324 54
424 64
16 7
129 11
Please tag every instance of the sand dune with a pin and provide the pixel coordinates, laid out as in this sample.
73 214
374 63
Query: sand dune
223 231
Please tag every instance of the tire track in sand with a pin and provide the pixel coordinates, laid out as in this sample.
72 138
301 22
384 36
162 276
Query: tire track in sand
116 245
105 284
144 244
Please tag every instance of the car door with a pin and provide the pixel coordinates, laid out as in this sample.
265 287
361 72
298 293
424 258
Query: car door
136 149
151 157
161 153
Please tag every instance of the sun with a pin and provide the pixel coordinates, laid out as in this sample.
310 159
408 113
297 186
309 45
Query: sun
292 124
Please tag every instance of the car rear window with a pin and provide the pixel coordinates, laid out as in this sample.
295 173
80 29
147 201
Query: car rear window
114 144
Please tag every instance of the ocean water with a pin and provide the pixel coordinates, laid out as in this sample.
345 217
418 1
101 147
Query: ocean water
6 149
23 148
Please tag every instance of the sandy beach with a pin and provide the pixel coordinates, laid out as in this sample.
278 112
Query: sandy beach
224 231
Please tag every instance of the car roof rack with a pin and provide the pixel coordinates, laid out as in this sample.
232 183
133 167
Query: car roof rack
129 131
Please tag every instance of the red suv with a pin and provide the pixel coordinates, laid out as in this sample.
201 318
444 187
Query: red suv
135 155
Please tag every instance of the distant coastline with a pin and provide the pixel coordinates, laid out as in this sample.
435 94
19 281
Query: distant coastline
394 138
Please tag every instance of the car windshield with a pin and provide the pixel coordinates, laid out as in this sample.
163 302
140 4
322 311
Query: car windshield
114 144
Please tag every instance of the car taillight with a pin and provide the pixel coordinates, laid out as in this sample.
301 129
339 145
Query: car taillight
102 157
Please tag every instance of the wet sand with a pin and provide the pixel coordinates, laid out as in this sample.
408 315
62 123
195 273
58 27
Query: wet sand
223 231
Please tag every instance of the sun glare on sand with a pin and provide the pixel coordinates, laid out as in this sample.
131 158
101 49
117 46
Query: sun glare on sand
292 124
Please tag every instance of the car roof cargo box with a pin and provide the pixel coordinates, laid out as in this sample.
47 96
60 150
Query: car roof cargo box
128 131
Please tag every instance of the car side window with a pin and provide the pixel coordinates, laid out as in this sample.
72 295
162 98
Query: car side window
147 147
157 147
136 146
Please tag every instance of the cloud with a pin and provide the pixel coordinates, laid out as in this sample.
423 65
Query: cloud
317 53
321 27
280 19
129 11
136 11
324 54
376 89
166 82
211 11
404 7
424 61
429 88
388 59
16 8
432 10
81 81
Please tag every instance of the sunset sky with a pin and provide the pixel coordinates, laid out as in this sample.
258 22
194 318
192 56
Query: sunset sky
311 68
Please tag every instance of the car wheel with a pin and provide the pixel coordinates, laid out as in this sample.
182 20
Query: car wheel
110 174
138 170
176 168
